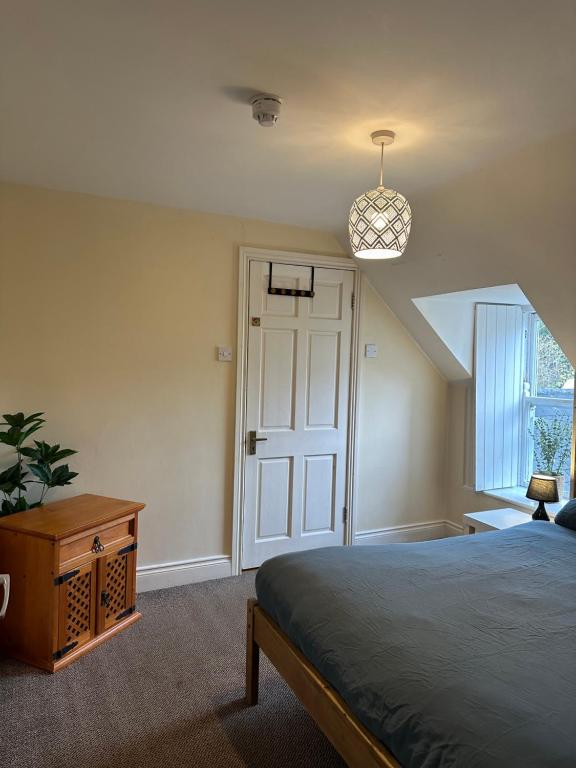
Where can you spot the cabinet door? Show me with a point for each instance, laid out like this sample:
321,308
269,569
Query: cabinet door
116,581
76,608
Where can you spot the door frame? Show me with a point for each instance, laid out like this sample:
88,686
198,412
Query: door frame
246,255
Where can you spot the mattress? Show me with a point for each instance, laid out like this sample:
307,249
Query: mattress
456,652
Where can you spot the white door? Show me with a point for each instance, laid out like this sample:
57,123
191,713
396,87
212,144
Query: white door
298,376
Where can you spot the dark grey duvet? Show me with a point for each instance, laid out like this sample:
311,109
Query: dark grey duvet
457,652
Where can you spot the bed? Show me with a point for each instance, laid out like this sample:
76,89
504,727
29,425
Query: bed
456,652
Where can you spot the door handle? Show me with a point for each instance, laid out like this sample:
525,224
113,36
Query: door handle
5,582
252,440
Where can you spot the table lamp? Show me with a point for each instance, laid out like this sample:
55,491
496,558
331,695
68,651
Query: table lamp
542,488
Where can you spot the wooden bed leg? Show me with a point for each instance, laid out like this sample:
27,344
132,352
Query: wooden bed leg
252,657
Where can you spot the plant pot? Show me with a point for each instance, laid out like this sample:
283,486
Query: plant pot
560,484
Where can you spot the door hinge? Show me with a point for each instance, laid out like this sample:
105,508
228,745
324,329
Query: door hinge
65,577
130,548
63,651
125,613
344,515
353,301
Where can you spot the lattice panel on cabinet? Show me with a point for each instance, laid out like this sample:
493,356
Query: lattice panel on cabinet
116,581
78,598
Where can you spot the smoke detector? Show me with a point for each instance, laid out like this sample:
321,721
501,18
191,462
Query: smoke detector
266,109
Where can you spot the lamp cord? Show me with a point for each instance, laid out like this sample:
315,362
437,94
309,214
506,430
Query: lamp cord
381,165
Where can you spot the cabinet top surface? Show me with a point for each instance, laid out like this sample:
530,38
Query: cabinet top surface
499,518
64,518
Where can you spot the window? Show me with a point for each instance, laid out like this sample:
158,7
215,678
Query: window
547,405
524,396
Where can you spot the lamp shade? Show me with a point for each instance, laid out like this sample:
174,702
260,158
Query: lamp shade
543,488
379,224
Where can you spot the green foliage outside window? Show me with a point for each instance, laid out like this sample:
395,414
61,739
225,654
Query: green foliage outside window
554,369
552,440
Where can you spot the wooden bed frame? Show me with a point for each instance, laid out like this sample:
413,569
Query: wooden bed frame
358,747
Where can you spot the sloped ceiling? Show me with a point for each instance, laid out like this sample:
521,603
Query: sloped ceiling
147,99
510,222
452,318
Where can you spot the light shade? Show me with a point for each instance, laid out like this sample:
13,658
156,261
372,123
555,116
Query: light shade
543,488
379,224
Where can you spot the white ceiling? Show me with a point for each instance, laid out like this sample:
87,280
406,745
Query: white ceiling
146,99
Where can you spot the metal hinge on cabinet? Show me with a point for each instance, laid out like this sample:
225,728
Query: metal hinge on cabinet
125,613
130,548
344,515
353,301
63,651
65,577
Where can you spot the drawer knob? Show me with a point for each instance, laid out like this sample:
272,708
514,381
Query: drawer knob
105,599
97,545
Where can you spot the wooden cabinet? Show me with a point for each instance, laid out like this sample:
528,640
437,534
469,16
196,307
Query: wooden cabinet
73,570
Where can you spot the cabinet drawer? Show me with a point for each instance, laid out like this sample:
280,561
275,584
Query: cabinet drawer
90,544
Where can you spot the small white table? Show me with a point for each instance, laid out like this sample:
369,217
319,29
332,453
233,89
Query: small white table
494,520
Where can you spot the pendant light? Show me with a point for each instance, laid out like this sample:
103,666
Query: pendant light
380,219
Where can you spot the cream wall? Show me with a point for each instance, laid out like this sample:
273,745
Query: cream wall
110,314
402,425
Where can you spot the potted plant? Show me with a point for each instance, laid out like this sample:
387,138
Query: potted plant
552,438
35,465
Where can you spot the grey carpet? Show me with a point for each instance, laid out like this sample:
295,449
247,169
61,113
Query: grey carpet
166,692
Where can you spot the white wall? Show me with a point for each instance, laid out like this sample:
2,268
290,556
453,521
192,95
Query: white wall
453,322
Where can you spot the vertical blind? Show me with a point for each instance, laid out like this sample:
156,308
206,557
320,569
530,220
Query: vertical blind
498,371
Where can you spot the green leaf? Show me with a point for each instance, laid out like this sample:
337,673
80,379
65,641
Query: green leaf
61,476
63,454
34,428
11,479
49,454
34,417
30,453
14,419
41,471
7,508
11,437
19,420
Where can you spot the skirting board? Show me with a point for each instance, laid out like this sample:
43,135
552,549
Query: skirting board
437,529
164,575
177,574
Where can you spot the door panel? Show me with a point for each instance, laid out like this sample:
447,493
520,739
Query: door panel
319,494
277,379
327,301
116,588
77,607
322,379
298,373
273,503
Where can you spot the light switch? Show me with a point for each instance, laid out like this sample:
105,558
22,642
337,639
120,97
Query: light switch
371,350
224,354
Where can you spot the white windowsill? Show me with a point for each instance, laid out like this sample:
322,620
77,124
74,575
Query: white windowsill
517,496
